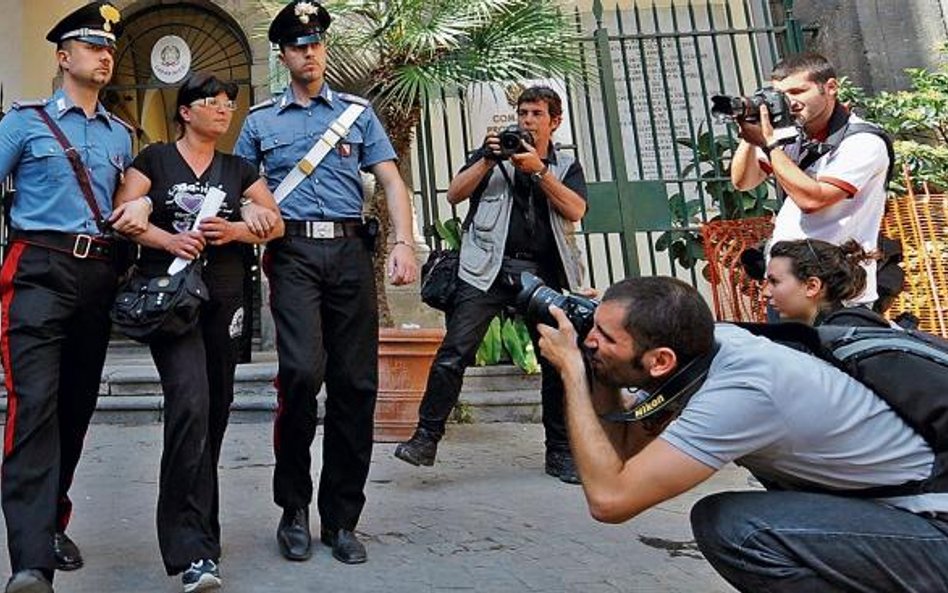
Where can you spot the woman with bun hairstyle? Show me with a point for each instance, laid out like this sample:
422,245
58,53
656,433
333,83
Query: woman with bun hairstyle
809,281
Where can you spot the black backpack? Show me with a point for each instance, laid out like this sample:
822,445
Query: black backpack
906,368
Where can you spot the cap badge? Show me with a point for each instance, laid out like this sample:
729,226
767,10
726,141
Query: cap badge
110,15
304,10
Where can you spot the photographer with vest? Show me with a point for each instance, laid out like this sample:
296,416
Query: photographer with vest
855,500
525,197
833,176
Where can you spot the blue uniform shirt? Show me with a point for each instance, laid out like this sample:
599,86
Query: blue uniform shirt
279,132
48,197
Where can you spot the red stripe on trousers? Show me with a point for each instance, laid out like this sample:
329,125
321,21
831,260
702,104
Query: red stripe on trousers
6,282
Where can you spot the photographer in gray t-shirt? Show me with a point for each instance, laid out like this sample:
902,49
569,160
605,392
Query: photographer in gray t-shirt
805,429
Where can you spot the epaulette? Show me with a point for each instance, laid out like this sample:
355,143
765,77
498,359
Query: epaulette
30,104
269,102
128,126
354,99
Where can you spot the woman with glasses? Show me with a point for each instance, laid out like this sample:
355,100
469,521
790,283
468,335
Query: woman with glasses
810,281
197,369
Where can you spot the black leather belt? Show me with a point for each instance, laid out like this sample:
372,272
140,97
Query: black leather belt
80,246
522,255
316,229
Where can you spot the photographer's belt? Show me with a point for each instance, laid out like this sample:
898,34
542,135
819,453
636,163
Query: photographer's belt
336,131
323,229
80,246
674,393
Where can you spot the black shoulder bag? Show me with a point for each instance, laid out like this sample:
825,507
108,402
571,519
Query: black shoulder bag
149,309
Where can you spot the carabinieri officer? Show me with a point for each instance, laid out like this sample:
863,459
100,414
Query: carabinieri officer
321,281
57,285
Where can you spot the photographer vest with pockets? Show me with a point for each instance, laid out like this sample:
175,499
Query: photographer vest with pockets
908,369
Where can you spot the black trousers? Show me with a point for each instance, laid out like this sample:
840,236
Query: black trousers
326,317
197,379
55,331
467,324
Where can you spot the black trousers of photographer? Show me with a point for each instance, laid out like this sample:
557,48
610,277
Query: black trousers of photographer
467,324
197,379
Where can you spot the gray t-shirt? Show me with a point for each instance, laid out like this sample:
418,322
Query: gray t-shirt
796,421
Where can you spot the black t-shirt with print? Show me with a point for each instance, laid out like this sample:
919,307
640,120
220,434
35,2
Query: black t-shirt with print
177,195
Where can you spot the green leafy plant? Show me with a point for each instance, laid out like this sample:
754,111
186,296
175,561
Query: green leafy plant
711,165
507,338
917,120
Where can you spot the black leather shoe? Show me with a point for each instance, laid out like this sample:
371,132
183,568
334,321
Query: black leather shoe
67,553
293,534
345,547
29,581
420,449
559,464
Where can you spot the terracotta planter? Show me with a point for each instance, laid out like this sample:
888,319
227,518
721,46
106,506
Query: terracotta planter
405,356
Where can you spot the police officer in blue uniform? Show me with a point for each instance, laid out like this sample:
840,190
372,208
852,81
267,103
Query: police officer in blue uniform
56,287
322,285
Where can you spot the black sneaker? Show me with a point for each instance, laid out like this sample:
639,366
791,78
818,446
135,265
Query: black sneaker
559,464
203,575
420,449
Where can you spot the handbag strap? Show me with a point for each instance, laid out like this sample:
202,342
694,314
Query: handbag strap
75,161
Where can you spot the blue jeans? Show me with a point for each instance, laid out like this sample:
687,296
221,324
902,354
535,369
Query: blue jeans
819,543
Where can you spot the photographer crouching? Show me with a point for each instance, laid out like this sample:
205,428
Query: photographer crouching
525,198
836,459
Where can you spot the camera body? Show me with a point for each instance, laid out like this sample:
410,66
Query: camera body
535,298
747,109
510,141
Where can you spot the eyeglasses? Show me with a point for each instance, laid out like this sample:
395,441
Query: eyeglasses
215,103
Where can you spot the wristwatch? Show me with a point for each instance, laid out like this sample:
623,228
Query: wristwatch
538,175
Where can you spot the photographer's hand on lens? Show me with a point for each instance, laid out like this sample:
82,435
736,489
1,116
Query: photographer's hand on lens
766,127
558,345
752,133
491,148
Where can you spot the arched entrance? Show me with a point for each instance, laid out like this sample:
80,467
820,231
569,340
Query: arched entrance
146,79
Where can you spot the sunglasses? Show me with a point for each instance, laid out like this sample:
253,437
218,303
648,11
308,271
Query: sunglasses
215,103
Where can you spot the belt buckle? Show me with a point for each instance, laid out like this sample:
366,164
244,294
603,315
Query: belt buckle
82,246
321,230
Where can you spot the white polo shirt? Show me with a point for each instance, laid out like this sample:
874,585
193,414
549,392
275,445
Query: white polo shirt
858,166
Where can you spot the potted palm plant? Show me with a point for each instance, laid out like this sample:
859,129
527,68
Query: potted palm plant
401,55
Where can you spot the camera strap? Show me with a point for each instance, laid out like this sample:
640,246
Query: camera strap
674,393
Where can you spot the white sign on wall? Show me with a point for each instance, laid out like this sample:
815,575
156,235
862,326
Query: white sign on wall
493,106
170,59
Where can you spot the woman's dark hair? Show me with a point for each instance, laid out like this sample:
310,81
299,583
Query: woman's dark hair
837,266
199,85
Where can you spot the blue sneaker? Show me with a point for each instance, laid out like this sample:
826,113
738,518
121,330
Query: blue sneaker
203,575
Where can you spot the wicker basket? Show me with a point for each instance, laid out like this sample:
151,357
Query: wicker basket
735,296
920,222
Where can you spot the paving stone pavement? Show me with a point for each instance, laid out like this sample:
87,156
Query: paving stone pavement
485,518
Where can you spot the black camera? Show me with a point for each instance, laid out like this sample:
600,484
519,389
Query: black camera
535,298
747,109
510,141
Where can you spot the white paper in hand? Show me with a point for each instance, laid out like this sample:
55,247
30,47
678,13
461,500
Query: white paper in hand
212,203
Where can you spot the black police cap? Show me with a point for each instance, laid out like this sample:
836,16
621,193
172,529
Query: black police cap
96,23
301,22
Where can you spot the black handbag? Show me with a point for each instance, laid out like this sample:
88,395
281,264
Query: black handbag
147,309
439,278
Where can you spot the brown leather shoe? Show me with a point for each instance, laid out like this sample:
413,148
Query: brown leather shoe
68,556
